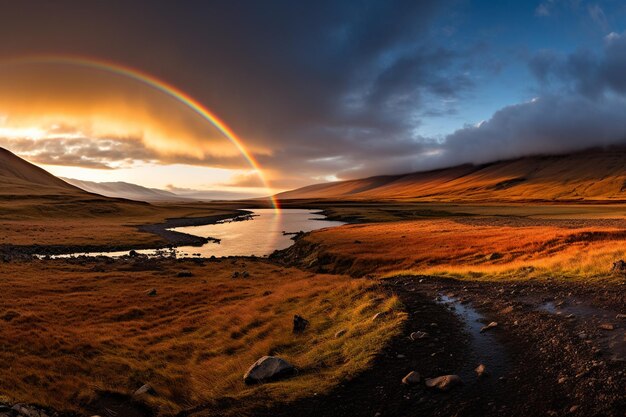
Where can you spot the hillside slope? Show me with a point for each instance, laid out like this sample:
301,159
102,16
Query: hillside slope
28,192
19,177
598,175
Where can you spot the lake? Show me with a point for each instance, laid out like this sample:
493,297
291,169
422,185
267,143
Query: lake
260,236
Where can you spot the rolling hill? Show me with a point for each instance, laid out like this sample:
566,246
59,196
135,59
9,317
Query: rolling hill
19,177
127,190
594,175
27,192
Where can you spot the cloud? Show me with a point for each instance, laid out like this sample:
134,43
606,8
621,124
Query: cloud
548,125
300,82
250,179
542,10
598,16
581,104
81,152
214,194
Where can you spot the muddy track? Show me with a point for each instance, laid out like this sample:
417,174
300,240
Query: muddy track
547,356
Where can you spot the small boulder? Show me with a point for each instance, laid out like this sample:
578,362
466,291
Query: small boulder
412,378
268,368
444,382
184,274
481,370
245,274
152,292
235,275
299,324
607,326
620,316
489,326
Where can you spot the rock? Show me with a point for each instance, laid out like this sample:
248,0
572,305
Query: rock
299,324
152,292
235,275
606,326
494,256
489,326
574,408
184,274
133,254
245,274
481,370
507,310
145,389
379,316
268,368
340,333
412,378
620,316
444,382
619,266
418,335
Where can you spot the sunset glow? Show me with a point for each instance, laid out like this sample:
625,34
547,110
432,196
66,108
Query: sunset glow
157,122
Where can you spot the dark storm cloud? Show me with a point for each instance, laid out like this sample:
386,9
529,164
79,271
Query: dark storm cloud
311,81
581,104
585,72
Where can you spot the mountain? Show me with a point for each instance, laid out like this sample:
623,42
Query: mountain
594,175
125,190
29,192
19,177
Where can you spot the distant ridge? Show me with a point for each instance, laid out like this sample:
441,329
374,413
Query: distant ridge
593,175
127,190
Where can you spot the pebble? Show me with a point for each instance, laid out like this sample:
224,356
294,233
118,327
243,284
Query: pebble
412,378
489,326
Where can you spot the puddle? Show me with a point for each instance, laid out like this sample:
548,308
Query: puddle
577,308
611,341
485,347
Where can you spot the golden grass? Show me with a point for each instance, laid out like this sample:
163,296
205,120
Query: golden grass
70,330
117,226
479,246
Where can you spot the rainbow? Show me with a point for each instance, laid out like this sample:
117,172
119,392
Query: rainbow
165,88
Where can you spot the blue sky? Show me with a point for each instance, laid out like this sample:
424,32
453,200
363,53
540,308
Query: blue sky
505,34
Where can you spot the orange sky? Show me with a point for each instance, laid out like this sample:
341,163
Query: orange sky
81,122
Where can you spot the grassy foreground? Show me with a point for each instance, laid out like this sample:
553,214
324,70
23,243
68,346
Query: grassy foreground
74,329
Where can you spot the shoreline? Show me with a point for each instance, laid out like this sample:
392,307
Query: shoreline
171,239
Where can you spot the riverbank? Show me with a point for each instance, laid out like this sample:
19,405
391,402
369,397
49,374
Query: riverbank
560,362
166,238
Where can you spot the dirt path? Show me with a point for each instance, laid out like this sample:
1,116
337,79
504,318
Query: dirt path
547,356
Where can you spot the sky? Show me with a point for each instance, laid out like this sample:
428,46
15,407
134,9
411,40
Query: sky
316,91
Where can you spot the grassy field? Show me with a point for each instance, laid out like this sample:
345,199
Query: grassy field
73,329
476,245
